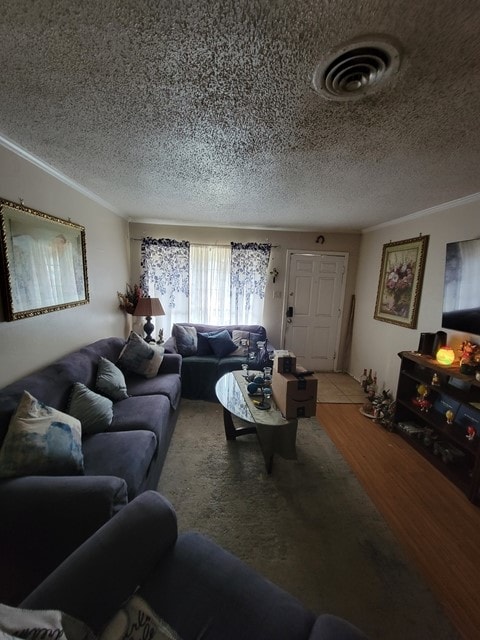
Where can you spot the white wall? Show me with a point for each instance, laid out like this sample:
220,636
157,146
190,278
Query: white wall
28,344
282,241
376,344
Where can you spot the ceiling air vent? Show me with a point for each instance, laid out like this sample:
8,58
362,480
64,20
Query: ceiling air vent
356,69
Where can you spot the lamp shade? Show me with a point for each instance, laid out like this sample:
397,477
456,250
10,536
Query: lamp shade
149,307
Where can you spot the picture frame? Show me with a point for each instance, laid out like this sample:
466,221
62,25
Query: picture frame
400,281
44,262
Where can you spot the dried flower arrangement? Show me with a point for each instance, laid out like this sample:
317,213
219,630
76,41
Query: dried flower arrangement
129,300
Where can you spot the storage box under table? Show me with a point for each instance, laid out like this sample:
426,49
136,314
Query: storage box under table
295,397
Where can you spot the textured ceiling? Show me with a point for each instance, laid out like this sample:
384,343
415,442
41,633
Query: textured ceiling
203,112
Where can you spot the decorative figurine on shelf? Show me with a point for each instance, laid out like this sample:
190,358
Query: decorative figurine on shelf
422,391
421,400
435,380
449,415
160,337
468,357
425,405
471,433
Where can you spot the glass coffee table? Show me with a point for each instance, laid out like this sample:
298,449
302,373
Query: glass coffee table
276,435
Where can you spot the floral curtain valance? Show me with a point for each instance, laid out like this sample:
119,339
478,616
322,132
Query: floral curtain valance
165,268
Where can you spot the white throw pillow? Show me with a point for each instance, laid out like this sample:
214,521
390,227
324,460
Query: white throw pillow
41,441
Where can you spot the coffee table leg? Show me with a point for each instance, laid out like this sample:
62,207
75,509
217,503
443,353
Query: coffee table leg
230,431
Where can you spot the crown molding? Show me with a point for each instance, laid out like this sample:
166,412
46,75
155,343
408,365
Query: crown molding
29,157
474,197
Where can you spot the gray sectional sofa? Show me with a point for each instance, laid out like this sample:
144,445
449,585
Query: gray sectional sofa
206,356
46,515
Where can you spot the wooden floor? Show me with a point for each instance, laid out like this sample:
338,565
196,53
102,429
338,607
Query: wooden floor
436,524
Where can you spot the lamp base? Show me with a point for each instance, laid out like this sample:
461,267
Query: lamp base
149,328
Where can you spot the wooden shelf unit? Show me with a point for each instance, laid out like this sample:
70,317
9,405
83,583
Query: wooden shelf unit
445,445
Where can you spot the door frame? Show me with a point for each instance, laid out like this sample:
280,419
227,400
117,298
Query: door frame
345,256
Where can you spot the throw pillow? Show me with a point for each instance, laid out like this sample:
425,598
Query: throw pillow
41,441
238,338
136,620
139,357
185,339
203,345
45,623
94,411
221,343
110,380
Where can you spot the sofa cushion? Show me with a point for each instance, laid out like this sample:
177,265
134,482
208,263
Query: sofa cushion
221,343
139,357
127,455
94,411
41,441
148,413
166,384
185,339
110,380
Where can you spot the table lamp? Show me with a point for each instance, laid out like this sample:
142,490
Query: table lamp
149,307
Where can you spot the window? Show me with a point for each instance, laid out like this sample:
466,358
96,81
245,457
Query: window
209,298
208,284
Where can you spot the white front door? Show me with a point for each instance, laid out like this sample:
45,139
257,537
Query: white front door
314,304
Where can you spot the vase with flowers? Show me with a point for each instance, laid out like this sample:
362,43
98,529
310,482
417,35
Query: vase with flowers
127,302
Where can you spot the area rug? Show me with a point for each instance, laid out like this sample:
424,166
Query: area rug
308,527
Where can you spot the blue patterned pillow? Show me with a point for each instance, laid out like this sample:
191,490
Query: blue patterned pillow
94,411
41,441
110,380
221,343
185,339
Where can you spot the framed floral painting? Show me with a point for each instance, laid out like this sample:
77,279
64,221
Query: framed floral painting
400,283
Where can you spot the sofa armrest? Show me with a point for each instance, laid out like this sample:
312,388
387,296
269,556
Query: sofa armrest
171,363
103,572
44,518
328,627
170,345
55,503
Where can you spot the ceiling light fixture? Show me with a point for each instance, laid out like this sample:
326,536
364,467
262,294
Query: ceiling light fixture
357,68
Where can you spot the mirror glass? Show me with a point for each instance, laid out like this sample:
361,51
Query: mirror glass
44,262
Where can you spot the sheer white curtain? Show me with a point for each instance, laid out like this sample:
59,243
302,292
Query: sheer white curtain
209,301
248,281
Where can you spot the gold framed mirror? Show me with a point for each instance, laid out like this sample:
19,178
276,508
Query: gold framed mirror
44,262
